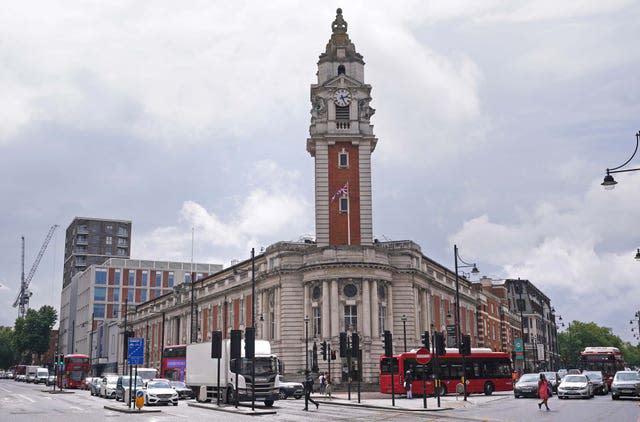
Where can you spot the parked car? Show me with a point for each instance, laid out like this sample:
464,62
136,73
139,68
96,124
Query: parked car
160,392
290,389
625,383
562,372
575,386
51,379
122,386
553,379
599,384
527,386
94,385
183,391
108,386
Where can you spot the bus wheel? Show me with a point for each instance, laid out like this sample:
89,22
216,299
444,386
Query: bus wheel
230,397
488,388
442,390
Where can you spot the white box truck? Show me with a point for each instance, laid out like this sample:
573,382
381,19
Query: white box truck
201,374
31,373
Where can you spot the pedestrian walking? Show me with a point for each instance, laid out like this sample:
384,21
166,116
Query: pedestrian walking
408,380
321,383
329,386
308,388
543,391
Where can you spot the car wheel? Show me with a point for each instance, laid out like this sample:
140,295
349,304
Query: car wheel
297,396
442,390
516,396
614,397
282,395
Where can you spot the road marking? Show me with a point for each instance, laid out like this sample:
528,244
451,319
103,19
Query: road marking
26,398
4,389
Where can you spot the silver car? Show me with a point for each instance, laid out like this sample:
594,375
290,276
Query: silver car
625,383
575,386
108,387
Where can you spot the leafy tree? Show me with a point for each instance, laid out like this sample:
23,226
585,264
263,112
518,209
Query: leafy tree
584,334
33,332
8,354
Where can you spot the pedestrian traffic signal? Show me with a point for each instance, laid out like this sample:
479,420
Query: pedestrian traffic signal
216,344
438,338
355,345
388,344
323,350
465,345
249,342
425,340
343,345
333,355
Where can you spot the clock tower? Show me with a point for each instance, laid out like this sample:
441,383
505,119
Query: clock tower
341,141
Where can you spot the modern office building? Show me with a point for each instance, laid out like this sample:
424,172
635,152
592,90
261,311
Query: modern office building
91,241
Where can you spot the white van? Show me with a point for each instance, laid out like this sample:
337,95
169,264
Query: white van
41,375
30,373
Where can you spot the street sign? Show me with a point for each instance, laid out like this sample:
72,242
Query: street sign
422,356
135,351
518,344
519,356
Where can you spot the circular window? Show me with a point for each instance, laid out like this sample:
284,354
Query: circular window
350,290
381,292
317,292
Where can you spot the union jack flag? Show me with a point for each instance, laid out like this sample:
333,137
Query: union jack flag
343,191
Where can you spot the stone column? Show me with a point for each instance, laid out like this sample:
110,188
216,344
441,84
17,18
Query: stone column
366,309
390,309
375,326
426,311
326,310
277,301
335,309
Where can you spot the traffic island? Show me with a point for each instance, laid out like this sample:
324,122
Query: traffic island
125,409
58,392
240,410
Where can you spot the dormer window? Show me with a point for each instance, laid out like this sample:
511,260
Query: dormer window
341,69
343,159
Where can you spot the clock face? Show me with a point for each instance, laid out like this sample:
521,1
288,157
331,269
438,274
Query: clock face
342,97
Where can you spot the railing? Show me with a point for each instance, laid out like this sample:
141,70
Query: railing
343,124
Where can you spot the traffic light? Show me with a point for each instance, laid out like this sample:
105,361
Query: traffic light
216,344
343,345
465,345
249,342
388,344
236,344
425,340
333,355
440,347
323,350
355,345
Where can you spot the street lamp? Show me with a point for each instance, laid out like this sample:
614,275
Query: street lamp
306,359
636,318
474,270
638,255
404,330
609,182
524,348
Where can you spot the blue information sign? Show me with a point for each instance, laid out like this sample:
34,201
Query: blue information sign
135,351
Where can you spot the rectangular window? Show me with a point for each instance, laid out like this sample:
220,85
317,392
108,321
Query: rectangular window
219,320
344,204
343,160
382,317
187,277
100,294
116,277
158,279
170,283
130,294
108,240
272,319
116,295
317,322
132,278
121,252
351,317
98,310
145,278
230,306
143,295
242,311
123,231
108,228
101,276
158,292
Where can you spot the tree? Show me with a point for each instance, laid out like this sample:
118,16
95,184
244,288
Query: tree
585,334
8,354
33,332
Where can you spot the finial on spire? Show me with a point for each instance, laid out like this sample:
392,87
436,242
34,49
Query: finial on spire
339,26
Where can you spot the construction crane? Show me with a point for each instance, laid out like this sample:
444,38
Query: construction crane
22,301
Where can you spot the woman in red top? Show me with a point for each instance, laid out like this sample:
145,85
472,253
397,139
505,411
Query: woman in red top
543,391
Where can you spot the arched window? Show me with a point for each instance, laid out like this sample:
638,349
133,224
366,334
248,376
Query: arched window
341,70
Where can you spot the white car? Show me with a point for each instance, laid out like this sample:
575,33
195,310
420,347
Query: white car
575,386
108,387
160,391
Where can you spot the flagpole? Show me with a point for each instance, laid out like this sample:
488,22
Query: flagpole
348,216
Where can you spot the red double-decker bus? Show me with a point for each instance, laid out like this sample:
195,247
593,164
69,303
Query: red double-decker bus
608,360
75,369
173,363
486,372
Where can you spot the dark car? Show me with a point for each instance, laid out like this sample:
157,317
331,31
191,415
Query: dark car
290,389
183,391
527,386
625,383
599,384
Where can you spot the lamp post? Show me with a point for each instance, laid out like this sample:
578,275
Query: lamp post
524,348
609,182
306,359
404,330
474,270
638,255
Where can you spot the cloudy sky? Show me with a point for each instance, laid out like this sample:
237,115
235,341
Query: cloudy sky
495,119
